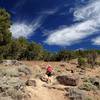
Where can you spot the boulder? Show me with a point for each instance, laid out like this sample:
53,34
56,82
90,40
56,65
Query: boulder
75,94
44,78
68,80
96,81
24,69
10,62
31,82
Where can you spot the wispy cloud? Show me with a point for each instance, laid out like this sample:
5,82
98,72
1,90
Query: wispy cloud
49,11
89,12
24,29
90,21
96,41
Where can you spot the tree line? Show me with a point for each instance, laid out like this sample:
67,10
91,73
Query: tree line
22,49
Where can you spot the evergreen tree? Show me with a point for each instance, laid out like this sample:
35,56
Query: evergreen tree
35,50
5,34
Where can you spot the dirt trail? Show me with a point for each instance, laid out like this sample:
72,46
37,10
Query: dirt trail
44,93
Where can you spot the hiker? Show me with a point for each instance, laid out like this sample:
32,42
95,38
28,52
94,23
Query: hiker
49,71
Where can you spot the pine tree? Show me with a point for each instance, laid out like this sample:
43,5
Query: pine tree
5,34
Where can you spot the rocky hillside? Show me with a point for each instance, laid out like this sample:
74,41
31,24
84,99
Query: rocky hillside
27,81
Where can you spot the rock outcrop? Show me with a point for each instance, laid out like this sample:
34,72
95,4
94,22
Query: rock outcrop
68,80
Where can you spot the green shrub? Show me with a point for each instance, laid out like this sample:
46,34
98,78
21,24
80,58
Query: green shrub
14,71
88,98
10,83
94,81
57,69
87,86
81,62
16,94
25,70
5,98
88,80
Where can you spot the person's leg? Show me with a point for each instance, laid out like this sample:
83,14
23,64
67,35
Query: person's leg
49,77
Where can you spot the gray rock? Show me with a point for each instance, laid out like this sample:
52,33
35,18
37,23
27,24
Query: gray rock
96,81
43,78
10,62
31,82
68,80
75,94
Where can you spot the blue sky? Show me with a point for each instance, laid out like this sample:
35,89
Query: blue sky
56,24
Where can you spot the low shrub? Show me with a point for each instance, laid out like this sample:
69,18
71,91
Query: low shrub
87,86
88,98
94,81
12,87
81,62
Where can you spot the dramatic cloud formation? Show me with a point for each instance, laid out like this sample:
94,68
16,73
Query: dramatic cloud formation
90,21
96,41
23,29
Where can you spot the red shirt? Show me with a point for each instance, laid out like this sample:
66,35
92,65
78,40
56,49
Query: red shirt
49,69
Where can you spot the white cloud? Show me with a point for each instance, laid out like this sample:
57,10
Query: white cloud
91,11
96,41
49,11
80,49
90,17
23,29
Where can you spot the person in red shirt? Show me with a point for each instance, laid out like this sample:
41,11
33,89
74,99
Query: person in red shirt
49,71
